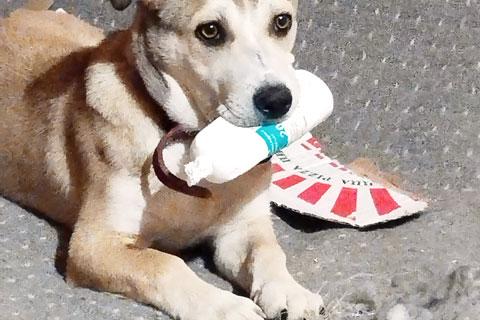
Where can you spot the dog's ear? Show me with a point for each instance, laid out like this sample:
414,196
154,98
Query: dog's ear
120,4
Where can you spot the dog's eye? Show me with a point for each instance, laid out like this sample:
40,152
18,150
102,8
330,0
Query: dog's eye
212,33
282,24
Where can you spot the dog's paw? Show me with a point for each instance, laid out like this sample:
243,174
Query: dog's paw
223,305
289,301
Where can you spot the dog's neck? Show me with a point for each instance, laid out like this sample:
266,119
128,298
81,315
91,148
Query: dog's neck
162,87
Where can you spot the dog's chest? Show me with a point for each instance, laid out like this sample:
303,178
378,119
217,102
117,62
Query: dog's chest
143,206
138,203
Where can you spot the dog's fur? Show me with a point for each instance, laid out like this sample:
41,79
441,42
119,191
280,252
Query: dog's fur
81,117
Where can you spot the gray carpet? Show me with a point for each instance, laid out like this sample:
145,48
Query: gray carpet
405,75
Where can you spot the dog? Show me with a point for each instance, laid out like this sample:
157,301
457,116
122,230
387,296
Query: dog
83,112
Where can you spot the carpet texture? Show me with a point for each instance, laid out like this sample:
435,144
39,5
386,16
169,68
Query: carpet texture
405,75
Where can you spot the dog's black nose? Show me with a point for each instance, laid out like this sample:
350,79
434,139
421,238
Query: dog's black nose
273,101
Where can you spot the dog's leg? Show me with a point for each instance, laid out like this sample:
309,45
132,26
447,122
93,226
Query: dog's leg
109,261
246,251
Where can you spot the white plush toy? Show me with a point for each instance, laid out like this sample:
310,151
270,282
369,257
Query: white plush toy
222,152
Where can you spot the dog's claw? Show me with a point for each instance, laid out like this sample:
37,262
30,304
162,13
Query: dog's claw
322,312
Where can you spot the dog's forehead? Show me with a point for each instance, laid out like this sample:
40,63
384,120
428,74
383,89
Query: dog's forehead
247,4
255,3
238,3
188,8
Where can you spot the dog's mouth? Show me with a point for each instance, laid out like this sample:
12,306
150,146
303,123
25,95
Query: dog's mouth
270,104
248,121
229,114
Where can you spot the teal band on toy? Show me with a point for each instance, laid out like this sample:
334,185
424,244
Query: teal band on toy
274,136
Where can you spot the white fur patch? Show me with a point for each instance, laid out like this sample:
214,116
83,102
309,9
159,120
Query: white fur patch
108,95
126,204
178,107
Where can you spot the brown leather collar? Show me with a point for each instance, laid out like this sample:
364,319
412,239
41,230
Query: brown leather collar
168,178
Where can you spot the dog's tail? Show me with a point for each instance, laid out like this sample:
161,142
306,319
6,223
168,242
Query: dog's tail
121,4
38,5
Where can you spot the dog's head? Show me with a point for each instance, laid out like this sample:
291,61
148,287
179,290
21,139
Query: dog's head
229,58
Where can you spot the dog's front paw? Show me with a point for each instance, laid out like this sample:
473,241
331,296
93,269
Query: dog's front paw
284,300
223,305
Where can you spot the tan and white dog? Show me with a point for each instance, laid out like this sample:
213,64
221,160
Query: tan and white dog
81,115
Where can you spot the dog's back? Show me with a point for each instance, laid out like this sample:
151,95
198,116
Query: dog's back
33,41
32,45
